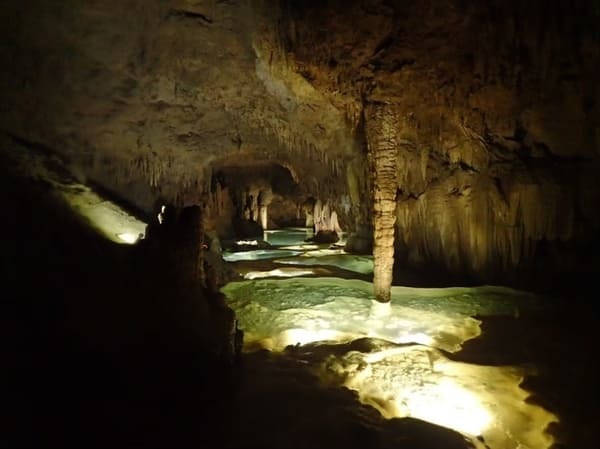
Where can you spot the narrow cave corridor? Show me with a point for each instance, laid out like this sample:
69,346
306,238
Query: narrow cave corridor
242,224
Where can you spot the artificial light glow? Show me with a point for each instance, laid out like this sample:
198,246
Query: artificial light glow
128,237
448,405
396,377
277,272
419,338
301,247
324,252
105,216
300,302
304,336
257,254
336,258
420,382
247,242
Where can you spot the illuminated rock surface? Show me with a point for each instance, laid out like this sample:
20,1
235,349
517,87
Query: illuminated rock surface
399,368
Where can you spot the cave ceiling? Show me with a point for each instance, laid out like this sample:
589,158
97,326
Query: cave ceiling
163,91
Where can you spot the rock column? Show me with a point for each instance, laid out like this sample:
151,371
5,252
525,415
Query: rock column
381,127
264,199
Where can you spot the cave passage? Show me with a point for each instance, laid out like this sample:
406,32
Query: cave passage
344,189
395,357
404,358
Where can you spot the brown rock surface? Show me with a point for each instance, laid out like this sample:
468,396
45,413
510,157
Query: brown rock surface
496,129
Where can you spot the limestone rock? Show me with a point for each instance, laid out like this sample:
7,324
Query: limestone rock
496,123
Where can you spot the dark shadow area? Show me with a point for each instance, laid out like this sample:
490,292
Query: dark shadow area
100,346
559,347
559,270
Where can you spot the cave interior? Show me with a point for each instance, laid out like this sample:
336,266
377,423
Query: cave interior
164,163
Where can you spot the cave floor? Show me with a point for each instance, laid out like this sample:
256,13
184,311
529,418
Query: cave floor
525,378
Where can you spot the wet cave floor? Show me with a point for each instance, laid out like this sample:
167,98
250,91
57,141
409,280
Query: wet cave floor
326,366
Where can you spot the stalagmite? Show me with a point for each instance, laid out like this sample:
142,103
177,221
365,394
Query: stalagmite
317,215
265,197
263,216
381,128
253,208
334,223
324,220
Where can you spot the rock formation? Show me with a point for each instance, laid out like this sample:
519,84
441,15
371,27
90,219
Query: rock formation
381,129
476,92
469,130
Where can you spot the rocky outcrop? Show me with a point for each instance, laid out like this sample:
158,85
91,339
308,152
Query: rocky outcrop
182,252
88,324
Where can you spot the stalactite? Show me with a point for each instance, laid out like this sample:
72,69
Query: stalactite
424,161
482,230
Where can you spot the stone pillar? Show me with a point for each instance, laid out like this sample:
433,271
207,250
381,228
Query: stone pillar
263,216
317,215
265,197
381,127
254,208
309,221
335,224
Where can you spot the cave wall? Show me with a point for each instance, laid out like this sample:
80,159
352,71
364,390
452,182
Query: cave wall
497,122
495,106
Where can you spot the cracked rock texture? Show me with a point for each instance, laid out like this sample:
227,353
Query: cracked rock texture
495,137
